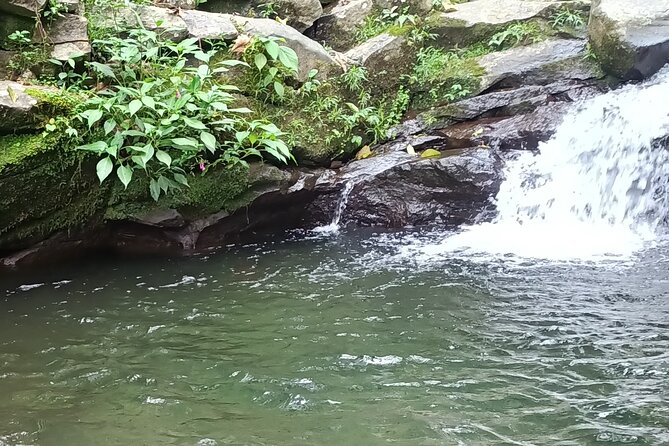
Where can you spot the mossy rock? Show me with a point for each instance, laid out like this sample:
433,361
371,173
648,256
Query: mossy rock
50,187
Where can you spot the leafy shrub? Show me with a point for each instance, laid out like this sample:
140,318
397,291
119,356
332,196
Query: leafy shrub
274,65
568,19
163,117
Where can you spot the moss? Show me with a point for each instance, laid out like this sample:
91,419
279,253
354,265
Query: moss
219,189
52,188
56,102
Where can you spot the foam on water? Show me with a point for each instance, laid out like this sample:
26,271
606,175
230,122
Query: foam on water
596,190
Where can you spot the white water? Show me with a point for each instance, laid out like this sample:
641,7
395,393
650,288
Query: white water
596,190
333,227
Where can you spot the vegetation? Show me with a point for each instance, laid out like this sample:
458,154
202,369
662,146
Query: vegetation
521,33
392,19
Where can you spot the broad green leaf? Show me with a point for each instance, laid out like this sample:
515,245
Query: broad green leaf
260,61
134,106
124,174
103,69
209,141
185,143
194,123
149,102
164,157
97,147
154,189
181,179
278,87
104,168
288,58
163,183
92,116
240,110
272,49
109,126
203,71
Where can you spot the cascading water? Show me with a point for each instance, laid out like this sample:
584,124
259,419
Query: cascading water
597,188
333,227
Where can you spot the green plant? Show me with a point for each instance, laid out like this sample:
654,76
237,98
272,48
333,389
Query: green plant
274,64
53,10
515,34
28,54
268,10
165,118
354,78
568,19
388,18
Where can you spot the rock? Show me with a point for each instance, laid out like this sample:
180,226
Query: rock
395,189
386,58
630,37
153,18
514,101
18,110
340,22
300,14
5,58
311,55
205,25
26,8
9,23
415,6
476,21
161,218
69,36
538,64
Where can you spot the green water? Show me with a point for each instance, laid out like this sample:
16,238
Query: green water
338,341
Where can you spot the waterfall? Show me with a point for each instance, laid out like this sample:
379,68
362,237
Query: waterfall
333,227
597,188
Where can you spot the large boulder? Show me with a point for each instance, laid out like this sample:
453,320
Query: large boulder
537,64
26,8
311,55
630,37
340,22
299,14
205,25
394,189
69,36
386,58
476,21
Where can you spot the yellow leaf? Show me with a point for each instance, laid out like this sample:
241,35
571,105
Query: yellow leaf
12,94
411,150
282,21
363,153
430,153
478,132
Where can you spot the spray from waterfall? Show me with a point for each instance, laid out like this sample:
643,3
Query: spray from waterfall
598,187
333,227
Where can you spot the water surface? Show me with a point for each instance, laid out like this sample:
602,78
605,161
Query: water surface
343,340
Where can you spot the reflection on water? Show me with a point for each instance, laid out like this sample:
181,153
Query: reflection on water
337,342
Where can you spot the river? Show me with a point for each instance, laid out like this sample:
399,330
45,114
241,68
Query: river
338,341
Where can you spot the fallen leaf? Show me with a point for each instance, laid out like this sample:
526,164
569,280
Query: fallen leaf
478,132
12,94
282,21
430,153
363,153
241,43
411,150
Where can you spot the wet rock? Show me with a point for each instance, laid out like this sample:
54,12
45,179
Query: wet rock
18,110
476,21
538,64
513,101
630,37
395,189
311,54
26,8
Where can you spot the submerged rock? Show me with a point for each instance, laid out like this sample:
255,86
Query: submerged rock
630,37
